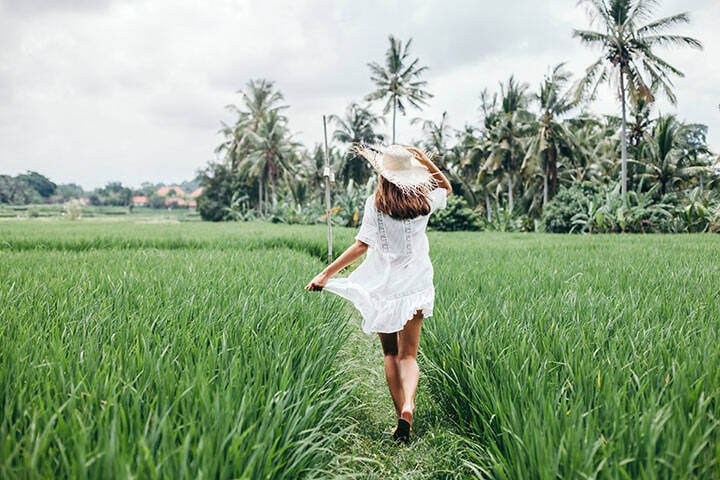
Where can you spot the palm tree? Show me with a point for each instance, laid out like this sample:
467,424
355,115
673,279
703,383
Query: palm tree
271,155
435,136
552,136
667,157
506,128
357,126
398,80
256,144
258,100
627,55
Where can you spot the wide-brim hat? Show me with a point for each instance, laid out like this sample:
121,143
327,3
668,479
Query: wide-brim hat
397,165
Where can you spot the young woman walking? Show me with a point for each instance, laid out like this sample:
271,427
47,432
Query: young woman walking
393,287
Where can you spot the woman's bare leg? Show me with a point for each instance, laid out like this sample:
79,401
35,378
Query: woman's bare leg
401,369
389,342
409,373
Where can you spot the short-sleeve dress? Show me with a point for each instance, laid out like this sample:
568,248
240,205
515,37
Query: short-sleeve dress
396,278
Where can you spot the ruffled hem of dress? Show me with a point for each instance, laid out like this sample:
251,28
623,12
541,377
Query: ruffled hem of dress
403,310
384,315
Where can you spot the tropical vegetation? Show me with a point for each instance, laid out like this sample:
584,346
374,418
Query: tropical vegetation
512,167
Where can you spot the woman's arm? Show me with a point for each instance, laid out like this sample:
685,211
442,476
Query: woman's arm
442,181
354,251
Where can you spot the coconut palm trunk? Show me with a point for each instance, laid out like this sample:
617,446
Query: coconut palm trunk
623,144
511,202
394,110
488,209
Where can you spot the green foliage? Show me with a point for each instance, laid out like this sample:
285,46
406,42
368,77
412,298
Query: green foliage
588,208
163,360
40,183
559,212
579,357
17,191
113,194
455,216
172,350
223,193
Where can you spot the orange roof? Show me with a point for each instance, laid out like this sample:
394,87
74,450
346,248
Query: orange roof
180,202
197,192
139,199
164,191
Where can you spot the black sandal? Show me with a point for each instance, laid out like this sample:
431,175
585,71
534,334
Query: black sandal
402,432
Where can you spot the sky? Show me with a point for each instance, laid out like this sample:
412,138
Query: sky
93,91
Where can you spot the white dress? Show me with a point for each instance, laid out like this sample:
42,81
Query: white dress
396,278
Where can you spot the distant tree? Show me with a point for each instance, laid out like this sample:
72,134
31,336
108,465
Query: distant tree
40,183
627,55
398,80
551,136
436,136
114,194
357,126
17,191
508,127
67,191
155,201
252,146
222,188
667,157
271,154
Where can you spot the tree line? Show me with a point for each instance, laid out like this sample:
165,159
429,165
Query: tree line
35,188
530,142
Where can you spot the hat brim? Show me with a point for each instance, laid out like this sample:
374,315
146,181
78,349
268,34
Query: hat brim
414,178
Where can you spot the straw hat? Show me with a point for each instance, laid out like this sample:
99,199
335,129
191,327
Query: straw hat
398,166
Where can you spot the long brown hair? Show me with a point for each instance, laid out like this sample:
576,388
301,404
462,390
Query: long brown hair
400,205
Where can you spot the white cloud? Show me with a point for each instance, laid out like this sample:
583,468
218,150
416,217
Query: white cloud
97,91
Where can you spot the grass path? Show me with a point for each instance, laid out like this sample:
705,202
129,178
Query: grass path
435,451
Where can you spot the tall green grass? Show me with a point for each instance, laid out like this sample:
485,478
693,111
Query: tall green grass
589,357
191,350
123,360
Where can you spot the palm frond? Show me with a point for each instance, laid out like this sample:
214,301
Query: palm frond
592,38
662,24
671,40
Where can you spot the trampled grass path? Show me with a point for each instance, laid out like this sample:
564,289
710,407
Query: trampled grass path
435,450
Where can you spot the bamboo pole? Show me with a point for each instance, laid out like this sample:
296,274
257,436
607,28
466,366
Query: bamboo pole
328,178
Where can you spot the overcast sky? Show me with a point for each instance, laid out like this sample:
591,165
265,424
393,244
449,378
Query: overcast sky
93,91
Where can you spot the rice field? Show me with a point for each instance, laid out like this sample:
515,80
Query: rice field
190,350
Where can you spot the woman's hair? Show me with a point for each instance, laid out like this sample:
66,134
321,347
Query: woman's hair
400,205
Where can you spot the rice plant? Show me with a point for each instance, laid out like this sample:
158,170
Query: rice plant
590,357
124,360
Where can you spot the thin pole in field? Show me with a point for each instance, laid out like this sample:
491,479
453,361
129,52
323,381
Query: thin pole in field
328,178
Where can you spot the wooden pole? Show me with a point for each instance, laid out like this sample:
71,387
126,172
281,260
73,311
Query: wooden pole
328,178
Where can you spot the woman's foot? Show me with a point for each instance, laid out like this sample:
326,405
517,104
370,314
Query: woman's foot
402,432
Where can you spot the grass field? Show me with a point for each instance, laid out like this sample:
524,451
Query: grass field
190,350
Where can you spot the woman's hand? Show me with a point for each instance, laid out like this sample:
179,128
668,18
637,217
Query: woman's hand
353,252
317,283
419,155
440,179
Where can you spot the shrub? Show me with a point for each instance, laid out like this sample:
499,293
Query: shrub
457,215
570,201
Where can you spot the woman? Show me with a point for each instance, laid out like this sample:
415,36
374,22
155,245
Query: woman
393,287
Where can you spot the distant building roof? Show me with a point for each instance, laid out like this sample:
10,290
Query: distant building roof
139,200
180,202
164,191
197,192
